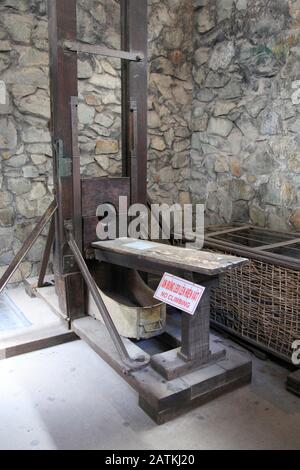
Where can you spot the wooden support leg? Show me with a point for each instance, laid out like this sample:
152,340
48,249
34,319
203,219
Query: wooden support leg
195,332
196,349
69,288
47,252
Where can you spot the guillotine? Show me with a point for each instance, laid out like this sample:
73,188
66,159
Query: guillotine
77,199
192,366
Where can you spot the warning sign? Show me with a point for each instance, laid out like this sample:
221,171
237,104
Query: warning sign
179,293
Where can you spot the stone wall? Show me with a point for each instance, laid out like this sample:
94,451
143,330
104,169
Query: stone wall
170,99
221,75
245,149
26,183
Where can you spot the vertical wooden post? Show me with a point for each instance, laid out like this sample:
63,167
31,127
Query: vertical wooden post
63,85
195,330
47,252
195,333
134,21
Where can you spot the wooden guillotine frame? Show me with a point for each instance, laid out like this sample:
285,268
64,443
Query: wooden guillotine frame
78,199
196,368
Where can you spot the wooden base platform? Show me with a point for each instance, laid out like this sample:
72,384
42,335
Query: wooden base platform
163,400
293,383
166,388
171,366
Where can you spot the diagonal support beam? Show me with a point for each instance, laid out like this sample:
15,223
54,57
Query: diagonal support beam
46,255
92,286
28,244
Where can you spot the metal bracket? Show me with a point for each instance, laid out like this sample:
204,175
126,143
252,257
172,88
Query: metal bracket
65,167
64,164
133,127
68,225
76,46
69,262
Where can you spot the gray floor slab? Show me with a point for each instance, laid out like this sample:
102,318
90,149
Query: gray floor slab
66,397
11,317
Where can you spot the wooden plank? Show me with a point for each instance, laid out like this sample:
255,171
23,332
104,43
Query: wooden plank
260,253
166,256
96,191
225,228
256,240
238,250
36,340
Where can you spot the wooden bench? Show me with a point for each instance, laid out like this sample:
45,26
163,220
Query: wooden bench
201,368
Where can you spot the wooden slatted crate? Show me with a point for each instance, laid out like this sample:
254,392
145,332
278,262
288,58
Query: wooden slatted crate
259,303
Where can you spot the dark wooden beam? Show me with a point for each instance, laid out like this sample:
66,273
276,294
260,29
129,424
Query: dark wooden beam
134,21
63,85
47,252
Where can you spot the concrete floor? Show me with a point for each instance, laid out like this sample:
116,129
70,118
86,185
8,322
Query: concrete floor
43,322
66,397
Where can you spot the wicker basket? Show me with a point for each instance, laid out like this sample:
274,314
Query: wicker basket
260,303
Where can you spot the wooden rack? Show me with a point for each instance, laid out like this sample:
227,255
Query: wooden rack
280,248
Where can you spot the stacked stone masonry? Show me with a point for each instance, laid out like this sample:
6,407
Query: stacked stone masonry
224,103
245,158
26,183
